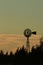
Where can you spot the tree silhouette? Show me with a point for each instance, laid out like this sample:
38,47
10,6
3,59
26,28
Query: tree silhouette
22,57
6,53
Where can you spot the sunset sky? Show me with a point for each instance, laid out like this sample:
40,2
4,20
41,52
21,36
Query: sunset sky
16,16
10,42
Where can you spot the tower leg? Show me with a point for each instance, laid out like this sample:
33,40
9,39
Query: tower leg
27,45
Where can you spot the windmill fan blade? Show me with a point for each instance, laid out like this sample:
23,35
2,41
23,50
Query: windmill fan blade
34,32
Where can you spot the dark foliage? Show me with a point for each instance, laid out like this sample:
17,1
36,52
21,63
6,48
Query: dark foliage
22,57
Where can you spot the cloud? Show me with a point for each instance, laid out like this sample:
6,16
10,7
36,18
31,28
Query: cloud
12,41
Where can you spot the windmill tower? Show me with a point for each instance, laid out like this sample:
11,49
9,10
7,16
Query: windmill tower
27,34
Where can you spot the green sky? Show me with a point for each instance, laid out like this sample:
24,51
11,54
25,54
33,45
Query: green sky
16,15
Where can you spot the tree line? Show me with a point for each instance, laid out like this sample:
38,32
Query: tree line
22,57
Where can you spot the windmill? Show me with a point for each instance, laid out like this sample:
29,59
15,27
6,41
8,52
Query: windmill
27,34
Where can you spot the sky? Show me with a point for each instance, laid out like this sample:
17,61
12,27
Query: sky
10,42
17,15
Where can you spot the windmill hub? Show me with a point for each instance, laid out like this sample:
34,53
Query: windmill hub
27,32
